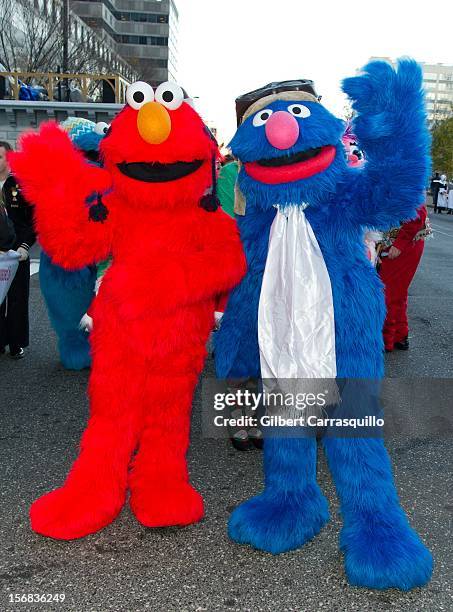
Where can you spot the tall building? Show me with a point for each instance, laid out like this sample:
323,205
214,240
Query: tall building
143,32
438,84
438,81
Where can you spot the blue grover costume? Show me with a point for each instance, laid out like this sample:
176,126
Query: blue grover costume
380,548
68,294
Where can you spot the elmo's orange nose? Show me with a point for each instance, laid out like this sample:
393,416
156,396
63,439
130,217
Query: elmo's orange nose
154,123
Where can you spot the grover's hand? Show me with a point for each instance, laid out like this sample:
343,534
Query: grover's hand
391,128
385,99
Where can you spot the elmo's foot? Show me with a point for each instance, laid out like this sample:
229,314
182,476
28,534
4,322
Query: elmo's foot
68,513
162,507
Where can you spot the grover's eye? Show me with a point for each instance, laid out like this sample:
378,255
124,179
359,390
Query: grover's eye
101,128
138,94
170,95
299,110
261,117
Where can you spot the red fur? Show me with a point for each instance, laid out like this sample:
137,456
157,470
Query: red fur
188,141
56,178
152,316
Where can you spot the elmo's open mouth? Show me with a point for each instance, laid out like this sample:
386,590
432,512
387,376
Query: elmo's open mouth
158,173
289,168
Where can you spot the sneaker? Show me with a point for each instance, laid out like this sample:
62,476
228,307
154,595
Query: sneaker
403,345
17,353
256,437
241,441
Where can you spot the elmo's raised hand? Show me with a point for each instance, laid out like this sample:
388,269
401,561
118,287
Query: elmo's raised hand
47,160
56,178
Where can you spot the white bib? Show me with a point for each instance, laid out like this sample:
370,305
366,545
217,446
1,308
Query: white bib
296,327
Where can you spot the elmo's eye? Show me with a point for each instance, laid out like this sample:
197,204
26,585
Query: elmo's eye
261,117
170,95
299,110
101,128
138,94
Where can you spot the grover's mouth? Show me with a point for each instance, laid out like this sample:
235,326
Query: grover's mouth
157,172
289,168
286,160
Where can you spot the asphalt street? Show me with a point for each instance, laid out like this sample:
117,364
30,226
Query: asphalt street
126,567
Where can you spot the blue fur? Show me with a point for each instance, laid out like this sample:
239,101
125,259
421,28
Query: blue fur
284,516
381,550
68,294
88,141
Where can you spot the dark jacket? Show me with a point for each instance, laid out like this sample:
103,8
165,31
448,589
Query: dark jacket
20,212
7,233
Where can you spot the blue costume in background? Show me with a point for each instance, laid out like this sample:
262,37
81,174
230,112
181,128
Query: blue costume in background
68,294
380,548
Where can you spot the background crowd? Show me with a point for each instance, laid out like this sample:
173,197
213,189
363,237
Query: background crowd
442,193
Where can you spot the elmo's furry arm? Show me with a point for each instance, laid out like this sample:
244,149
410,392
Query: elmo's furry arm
215,268
55,177
392,130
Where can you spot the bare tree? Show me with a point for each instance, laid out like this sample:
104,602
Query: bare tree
149,72
33,42
30,45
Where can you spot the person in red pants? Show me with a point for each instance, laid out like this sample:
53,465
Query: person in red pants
400,256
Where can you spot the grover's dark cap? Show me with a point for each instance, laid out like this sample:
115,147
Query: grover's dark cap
246,100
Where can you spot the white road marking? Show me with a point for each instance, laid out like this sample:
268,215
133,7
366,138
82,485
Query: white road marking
438,230
34,266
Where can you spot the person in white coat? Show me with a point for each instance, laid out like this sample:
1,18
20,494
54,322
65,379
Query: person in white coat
450,198
443,193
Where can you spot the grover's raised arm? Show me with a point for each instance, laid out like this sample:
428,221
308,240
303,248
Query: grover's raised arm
392,130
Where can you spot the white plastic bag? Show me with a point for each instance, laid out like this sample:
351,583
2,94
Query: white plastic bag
9,262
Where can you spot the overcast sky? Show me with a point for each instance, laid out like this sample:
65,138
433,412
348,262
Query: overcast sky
232,46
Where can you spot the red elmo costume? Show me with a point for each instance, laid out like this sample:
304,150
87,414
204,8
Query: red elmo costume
397,275
155,308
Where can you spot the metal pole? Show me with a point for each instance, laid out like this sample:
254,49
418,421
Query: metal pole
59,84
65,19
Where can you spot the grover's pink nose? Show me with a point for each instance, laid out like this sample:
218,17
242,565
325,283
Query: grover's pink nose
282,130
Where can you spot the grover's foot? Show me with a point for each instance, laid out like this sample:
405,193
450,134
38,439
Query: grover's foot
69,513
276,521
159,506
385,552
